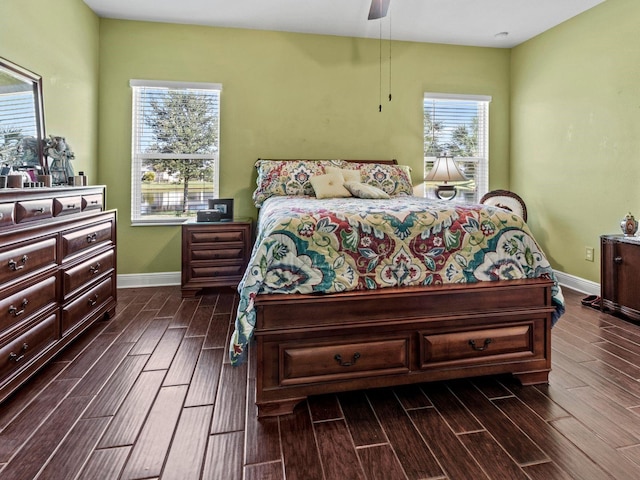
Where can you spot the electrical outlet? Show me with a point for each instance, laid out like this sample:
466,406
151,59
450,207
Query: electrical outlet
588,254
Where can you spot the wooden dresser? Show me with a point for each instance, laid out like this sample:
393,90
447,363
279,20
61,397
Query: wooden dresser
57,273
620,275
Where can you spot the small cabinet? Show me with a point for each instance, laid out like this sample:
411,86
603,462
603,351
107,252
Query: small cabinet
620,275
214,254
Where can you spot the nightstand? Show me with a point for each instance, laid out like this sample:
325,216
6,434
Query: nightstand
620,274
214,254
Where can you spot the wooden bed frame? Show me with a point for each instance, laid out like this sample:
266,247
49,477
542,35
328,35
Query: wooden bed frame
317,344
326,343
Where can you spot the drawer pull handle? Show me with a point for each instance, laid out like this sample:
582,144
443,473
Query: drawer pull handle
93,202
93,300
95,268
338,358
92,237
39,210
13,265
480,349
617,260
14,310
72,205
16,357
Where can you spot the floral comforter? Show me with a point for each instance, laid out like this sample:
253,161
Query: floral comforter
307,245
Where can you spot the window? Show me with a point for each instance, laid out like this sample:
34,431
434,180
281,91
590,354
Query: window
175,150
458,125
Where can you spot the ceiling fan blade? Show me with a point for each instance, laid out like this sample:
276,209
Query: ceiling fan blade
378,9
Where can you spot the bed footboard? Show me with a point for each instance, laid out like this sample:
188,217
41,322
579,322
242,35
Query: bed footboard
318,344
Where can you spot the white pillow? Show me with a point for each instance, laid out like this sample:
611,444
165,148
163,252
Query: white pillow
329,185
347,174
362,190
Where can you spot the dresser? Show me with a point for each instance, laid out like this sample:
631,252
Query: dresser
57,273
620,275
214,254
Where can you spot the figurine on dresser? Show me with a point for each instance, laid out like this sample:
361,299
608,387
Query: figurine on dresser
59,155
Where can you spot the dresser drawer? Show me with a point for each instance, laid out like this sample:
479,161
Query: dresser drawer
66,206
300,363
17,307
16,262
88,304
6,214
217,235
76,241
497,344
32,210
28,346
92,202
85,272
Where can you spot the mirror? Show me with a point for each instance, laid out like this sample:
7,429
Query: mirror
21,118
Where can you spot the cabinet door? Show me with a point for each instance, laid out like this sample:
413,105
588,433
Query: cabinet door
627,274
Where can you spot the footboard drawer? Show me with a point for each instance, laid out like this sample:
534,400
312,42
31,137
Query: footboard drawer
468,346
300,363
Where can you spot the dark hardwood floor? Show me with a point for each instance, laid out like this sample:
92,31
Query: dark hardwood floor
150,394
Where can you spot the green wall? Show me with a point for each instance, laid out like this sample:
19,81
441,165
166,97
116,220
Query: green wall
575,131
59,40
284,96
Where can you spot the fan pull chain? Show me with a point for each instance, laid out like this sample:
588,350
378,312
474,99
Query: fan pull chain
380,66
389,56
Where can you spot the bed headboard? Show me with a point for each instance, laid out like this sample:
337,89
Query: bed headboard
286,177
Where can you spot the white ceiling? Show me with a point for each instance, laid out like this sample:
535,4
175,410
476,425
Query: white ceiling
460,22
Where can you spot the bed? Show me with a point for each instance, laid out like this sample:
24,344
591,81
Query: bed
345,293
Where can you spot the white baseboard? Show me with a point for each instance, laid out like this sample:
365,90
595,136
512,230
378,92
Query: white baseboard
162,279
577,283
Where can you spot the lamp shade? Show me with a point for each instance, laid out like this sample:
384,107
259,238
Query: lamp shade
445,170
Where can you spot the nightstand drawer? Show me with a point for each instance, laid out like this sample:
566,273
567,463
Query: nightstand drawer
208,254
217,236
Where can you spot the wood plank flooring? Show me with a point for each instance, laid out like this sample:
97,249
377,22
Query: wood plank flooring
150,394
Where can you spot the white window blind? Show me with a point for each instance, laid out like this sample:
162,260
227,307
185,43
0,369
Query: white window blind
175,149
458,125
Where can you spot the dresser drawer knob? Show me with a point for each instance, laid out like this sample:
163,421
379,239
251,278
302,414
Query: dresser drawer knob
16,357
92,237
13,265
95,268
93,300
617,260
480,349
338,358
14,310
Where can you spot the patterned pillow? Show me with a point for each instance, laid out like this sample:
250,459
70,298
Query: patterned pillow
362,190
288,177
392,179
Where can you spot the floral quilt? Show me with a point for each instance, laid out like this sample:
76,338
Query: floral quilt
307,245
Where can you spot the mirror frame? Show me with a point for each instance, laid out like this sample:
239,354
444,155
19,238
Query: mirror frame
36,81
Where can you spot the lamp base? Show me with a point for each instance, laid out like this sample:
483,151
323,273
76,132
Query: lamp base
450,192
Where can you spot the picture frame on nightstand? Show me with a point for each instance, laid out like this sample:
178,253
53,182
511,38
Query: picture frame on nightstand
224,206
